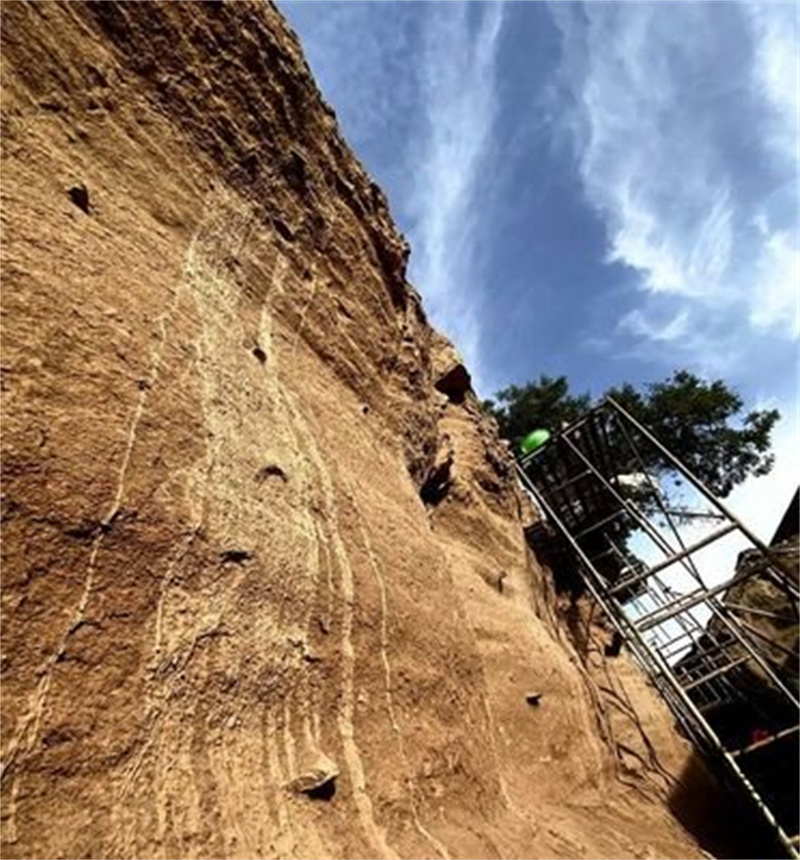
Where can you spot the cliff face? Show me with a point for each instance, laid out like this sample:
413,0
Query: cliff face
256,531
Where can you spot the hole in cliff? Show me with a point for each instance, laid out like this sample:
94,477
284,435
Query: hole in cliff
295,171
326,791
260,354
79,195
237,556
552,550
84,530
455,383
271,470
436,485
283,230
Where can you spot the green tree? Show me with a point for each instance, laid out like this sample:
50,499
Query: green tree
546,403
700,422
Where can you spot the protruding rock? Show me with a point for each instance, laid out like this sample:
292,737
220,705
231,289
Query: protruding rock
451,377
316,778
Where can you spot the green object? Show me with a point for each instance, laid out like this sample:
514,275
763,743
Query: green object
535,439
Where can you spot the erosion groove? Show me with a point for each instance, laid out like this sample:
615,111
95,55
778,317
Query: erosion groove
220,409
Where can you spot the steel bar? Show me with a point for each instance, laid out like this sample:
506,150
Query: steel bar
634,511
691,477
716,648
570,482
675,639
682,604
738,607
784,733
716,673
692,515
601,523
668,562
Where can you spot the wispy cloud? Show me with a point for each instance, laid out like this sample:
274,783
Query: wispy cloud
415,89
458,90
691,160
639,325
774,30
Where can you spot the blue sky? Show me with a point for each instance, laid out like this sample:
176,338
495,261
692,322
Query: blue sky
603,190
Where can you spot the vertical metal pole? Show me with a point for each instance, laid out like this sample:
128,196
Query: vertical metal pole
651,660
715,609
699,485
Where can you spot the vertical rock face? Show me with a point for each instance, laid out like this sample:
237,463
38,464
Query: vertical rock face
265,588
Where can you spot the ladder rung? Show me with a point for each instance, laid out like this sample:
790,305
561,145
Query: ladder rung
676,557
708,707
766,742
680,605
569,482
721,671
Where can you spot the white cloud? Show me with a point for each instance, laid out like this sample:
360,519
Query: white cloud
685,124
637,324
775,71
777,284
761,502
458,89
414,87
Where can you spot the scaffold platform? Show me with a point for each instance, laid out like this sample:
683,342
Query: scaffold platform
714,646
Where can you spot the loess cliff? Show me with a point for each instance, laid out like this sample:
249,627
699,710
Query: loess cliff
265,589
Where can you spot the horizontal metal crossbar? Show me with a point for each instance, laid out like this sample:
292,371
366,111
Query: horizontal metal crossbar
674,559
590,512
716,673
785,733
682,604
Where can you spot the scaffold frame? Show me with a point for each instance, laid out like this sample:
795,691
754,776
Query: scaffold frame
575,480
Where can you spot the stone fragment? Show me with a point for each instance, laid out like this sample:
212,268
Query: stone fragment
319,775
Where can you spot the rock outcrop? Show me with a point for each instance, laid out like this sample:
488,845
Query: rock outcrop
235,622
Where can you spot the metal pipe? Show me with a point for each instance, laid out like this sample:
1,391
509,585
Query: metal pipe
699,485
784,733
720,671
738,607
668,562
600,523
633,510
570,482
701,595
682,604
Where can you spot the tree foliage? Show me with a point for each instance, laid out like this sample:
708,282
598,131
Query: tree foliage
546,403
701,422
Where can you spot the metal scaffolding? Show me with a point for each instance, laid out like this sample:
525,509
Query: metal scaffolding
731,684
